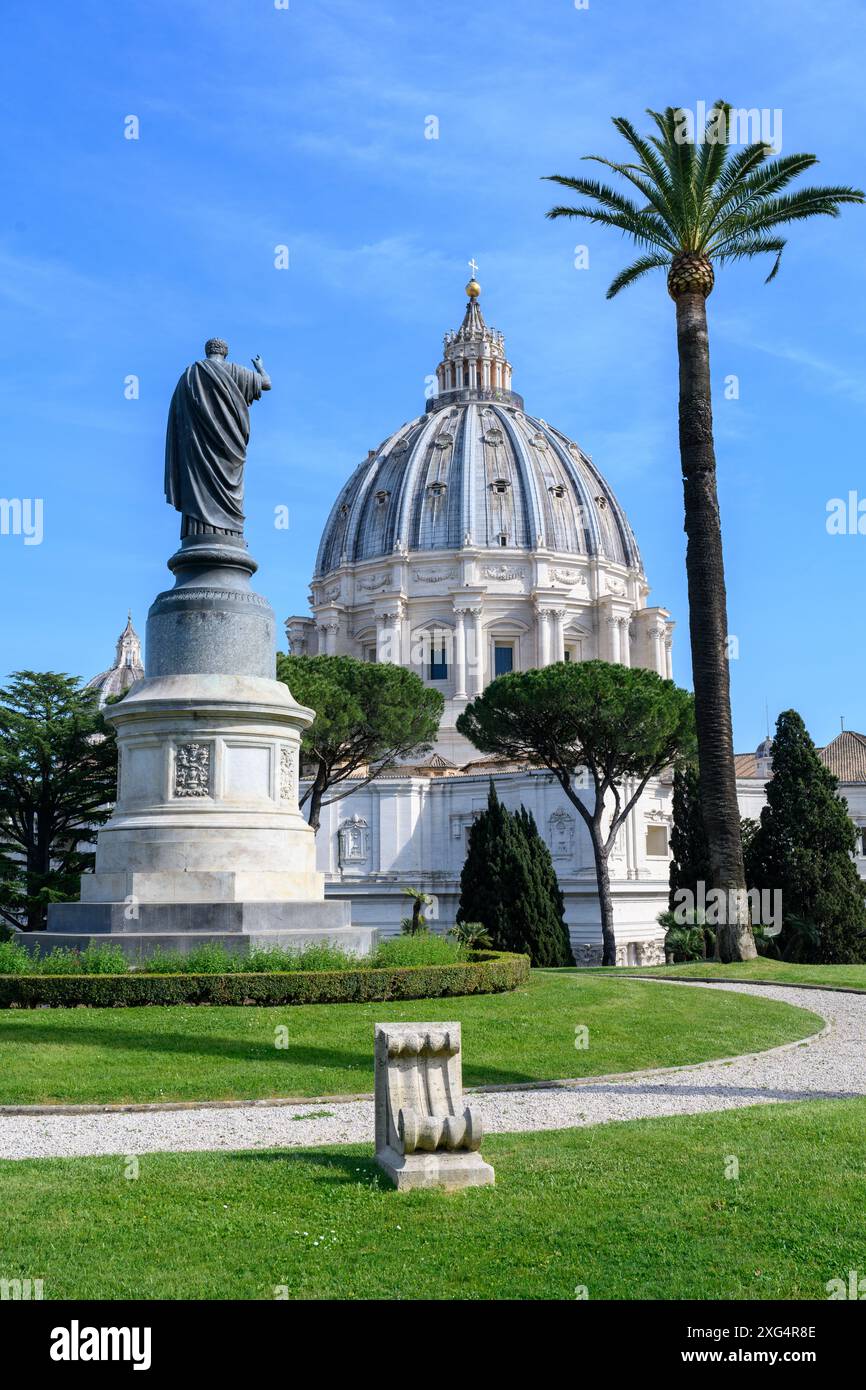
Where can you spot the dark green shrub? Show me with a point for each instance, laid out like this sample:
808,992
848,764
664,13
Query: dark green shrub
509,884
14,959
803,847
485,972
417,949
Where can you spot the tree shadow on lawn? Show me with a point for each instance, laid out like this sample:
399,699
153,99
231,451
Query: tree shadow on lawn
186,1044
338,1167
235,1049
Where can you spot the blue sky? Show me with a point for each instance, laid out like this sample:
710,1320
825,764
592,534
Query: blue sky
306,127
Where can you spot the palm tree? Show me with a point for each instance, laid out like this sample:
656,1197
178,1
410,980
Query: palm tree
699,207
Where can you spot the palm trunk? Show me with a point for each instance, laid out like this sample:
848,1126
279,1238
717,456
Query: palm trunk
708,627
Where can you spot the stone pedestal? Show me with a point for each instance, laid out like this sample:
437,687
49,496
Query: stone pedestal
425,1135
206,842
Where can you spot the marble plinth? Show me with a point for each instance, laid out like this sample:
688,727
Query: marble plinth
206,842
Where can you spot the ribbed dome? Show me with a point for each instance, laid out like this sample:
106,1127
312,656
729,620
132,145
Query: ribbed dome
476,471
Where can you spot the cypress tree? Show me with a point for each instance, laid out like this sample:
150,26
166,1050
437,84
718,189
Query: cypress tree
509,883
804,846
690,850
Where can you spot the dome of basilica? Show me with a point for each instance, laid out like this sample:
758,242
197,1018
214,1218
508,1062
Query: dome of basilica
478,540
476,471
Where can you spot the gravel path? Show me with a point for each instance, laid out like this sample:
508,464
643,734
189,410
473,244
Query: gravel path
832,1066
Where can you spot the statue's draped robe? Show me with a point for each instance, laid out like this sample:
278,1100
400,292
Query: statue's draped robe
206,445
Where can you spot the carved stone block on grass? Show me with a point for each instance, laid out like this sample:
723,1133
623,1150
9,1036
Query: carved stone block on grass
426,1136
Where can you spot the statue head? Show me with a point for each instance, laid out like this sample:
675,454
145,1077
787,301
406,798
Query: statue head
215,347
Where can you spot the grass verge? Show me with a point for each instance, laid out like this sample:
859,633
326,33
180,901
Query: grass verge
221,1053
771,971
640,1210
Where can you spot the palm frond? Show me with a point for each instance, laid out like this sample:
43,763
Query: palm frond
745,247
651,164
737,167
768,179
680,158
640,227
795,207
601,192
635,271
711,159
645,185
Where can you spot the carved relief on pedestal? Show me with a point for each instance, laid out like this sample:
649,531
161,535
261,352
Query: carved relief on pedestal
192,769
288,774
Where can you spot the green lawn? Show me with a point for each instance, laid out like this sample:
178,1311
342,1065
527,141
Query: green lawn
188,1053
851,976
640,1210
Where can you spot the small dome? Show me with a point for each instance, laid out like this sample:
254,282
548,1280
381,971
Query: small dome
127,669
764,748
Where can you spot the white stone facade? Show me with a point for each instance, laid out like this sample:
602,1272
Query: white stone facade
478,539
412,832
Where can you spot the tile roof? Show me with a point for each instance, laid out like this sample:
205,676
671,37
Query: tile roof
846,756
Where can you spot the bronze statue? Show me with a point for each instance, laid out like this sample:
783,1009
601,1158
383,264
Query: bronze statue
206,441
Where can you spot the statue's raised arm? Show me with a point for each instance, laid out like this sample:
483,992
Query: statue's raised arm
206,441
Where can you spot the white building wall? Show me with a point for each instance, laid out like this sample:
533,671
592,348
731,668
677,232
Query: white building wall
416,829
416,832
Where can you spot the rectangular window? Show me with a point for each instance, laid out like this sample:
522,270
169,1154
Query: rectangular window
370,652
438,664
503,660
657,840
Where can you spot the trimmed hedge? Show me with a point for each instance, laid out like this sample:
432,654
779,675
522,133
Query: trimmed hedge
487,972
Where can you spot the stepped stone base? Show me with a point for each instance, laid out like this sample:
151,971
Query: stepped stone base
238,927
205,886
446,1170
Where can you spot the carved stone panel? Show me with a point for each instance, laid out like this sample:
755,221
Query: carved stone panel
560,833
192,769
503,572
353,840
288,774
433,576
